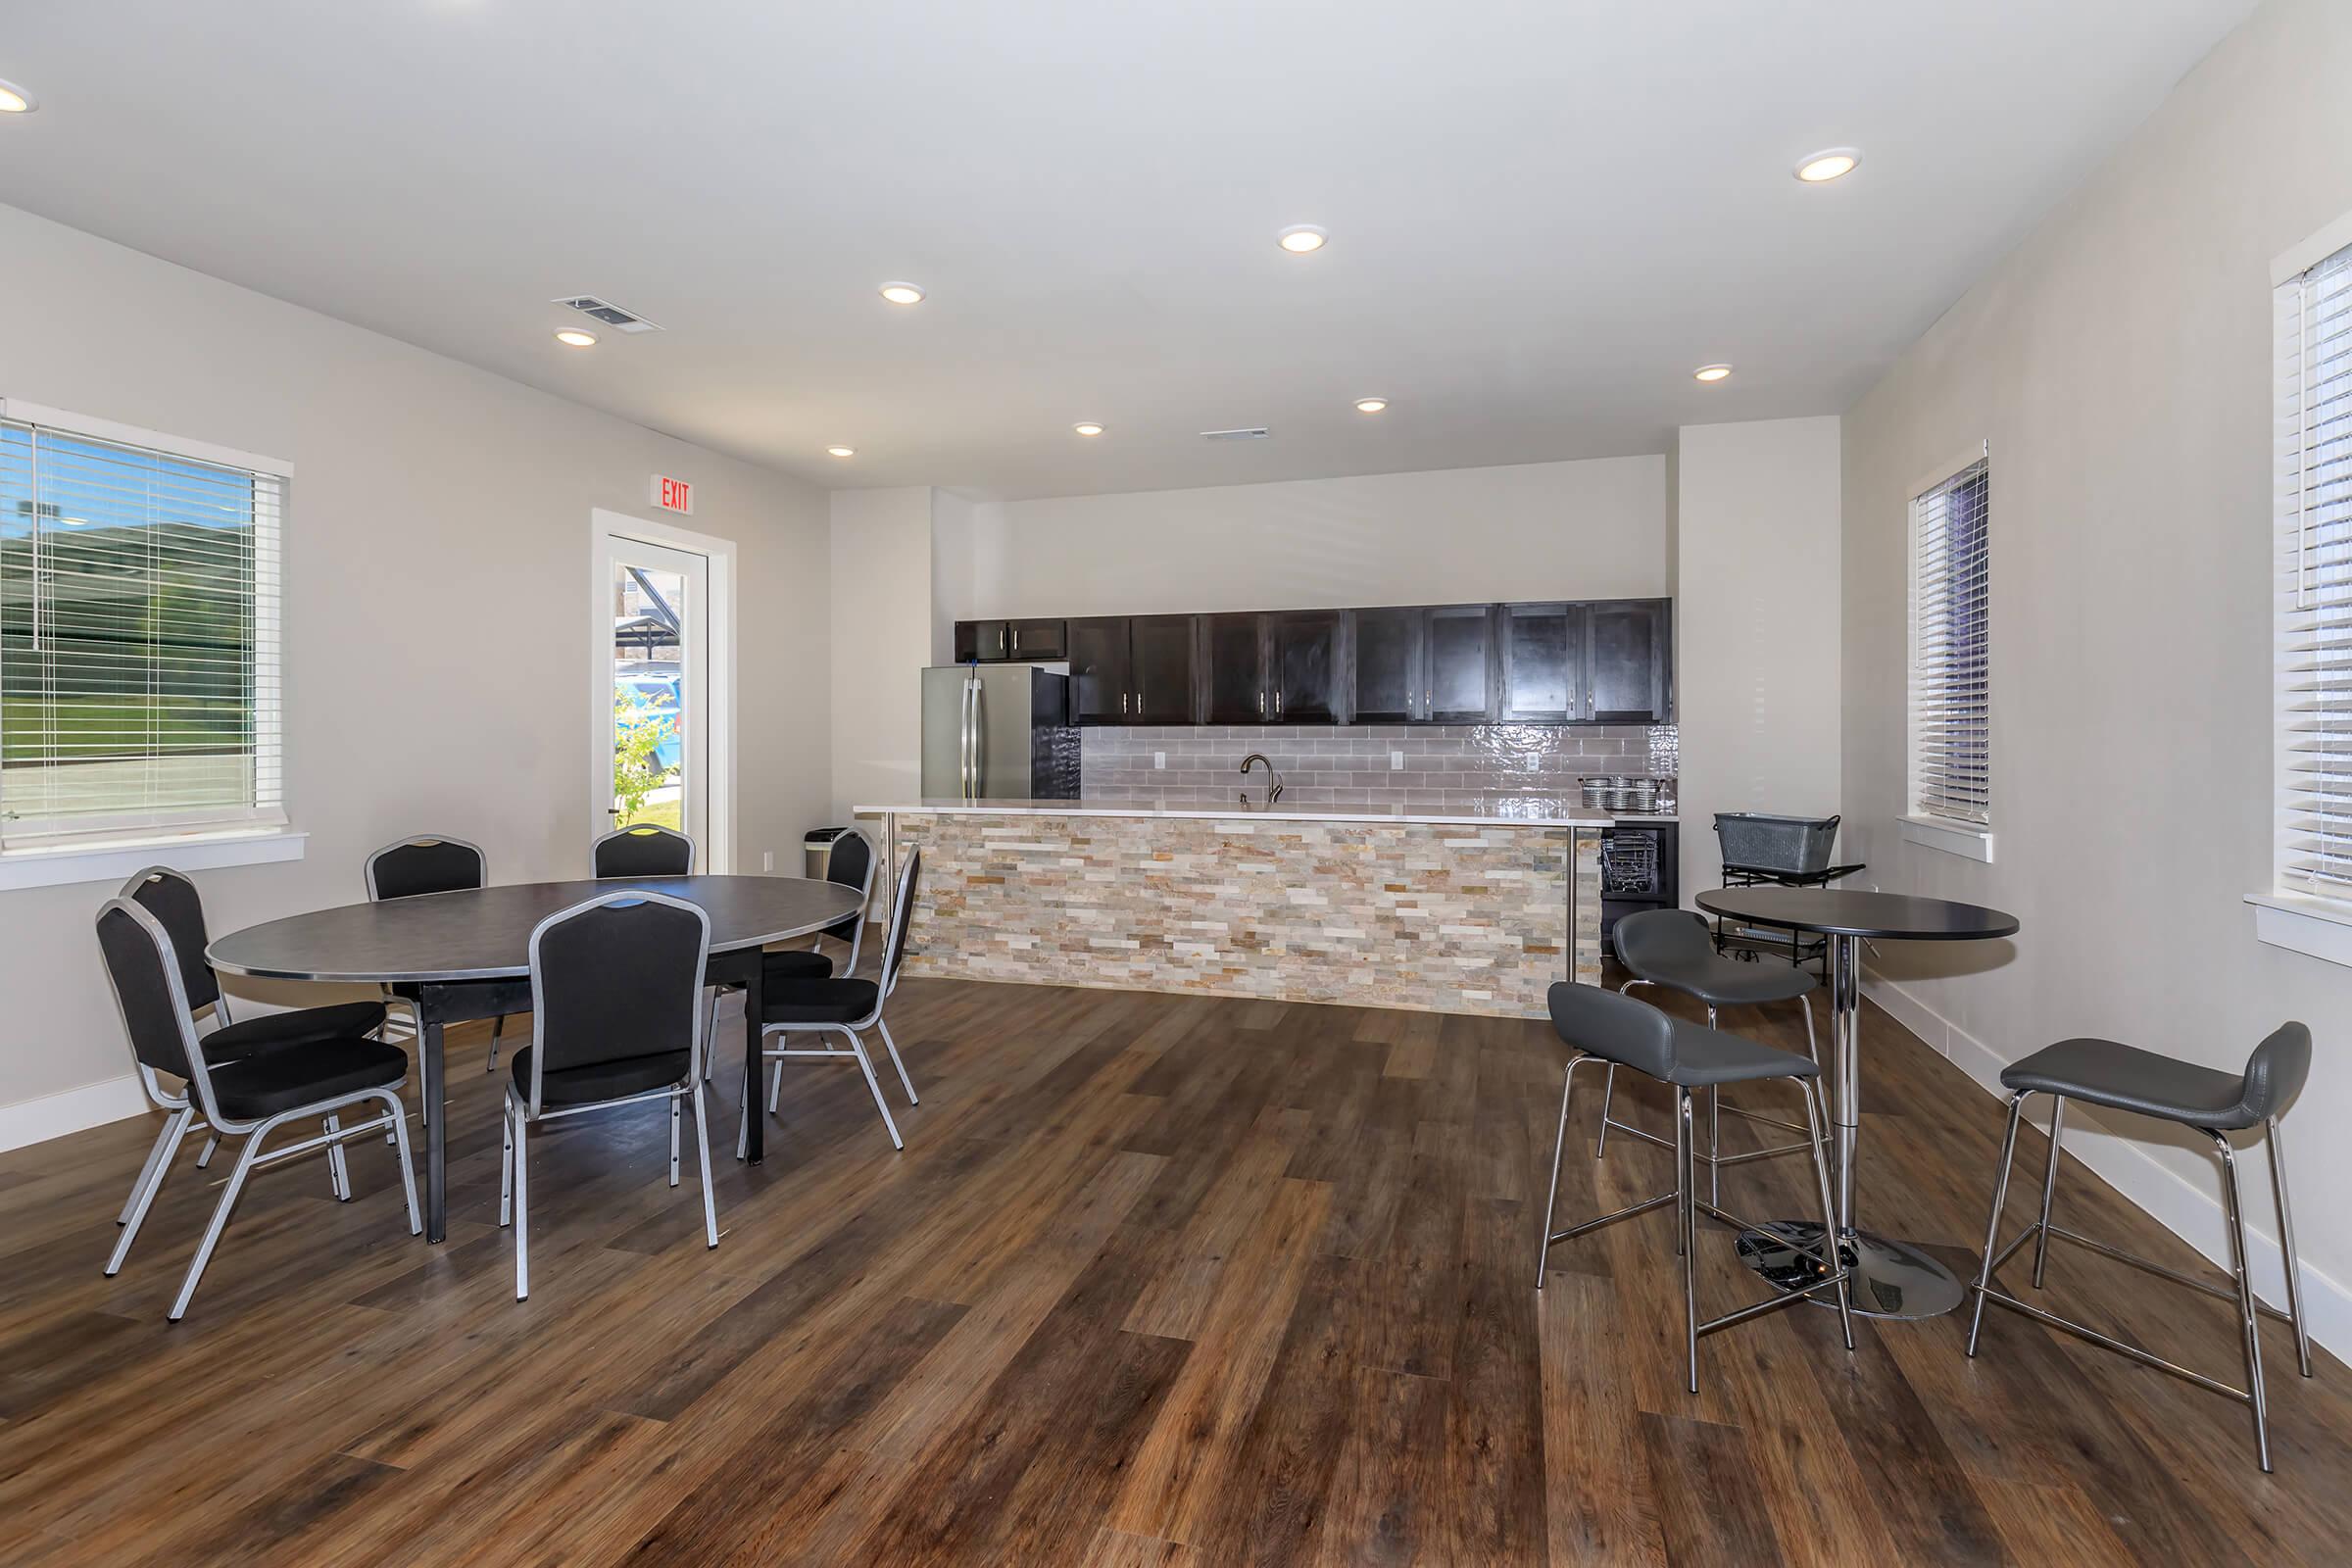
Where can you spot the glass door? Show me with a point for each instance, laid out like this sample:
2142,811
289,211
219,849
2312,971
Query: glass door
660,660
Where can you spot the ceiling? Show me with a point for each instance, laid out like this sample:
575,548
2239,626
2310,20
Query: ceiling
1543,216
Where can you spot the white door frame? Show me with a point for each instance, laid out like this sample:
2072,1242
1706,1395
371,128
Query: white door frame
717,847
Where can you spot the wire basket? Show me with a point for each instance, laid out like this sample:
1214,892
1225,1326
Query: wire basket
1629,863
1794,844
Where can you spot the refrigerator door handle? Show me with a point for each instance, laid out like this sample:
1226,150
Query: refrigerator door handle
964,740
979,722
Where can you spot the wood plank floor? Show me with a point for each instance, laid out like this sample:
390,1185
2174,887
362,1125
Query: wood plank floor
1158,1280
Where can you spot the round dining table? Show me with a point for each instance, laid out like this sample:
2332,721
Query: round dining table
1892,1278
467,955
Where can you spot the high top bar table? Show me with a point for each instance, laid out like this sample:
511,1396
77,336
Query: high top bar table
1890,1278
467,955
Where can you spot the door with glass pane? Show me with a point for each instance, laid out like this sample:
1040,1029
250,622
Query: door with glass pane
658,658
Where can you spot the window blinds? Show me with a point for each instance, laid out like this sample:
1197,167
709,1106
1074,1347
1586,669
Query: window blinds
1951,770
2314,619
139,639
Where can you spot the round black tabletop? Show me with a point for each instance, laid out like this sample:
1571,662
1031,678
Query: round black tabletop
1835,912
485,933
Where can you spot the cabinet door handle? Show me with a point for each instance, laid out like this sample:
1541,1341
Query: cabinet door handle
1122,701
1015,635
1261,704
1277,704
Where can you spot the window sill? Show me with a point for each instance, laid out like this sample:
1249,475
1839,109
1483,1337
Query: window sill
108,862
2318,928
1966,840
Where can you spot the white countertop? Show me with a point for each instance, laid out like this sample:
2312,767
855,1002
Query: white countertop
1501,810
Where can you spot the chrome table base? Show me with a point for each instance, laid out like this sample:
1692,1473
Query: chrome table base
1888,1278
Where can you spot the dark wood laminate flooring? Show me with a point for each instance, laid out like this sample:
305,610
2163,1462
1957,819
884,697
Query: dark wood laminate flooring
1158,1280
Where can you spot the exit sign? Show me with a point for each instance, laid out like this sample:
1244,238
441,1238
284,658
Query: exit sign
673,495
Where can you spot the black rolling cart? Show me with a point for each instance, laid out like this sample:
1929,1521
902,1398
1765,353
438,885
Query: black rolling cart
1761,850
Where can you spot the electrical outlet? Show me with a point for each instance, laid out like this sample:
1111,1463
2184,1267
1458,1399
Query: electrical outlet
1396,762
1160,759
768,860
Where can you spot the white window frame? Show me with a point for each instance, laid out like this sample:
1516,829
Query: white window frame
212,839
2286,914
1964,837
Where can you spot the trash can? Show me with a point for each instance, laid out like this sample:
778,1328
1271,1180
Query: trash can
818,847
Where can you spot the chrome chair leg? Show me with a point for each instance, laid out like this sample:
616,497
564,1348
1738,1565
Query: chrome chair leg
775,1086
498,1026
1714,1140
2240,1267
408,1170
702,1151
204,1155
522,1209
1608,1091
220,1219
150,1183
710,1033
1992,1226
1686,1182
2049,1188
1560,1145
1815,1121
155,1157
873,1086
506,1167
1812,1043
338,1169
675,1111
892,1046
743,1114
2286,1241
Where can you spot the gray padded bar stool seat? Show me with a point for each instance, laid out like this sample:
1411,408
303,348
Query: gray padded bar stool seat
1674,948
2121,1077
1609,1027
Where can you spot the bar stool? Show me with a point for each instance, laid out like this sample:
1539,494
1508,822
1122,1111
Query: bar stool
1609,1027
2102,1072
1675,950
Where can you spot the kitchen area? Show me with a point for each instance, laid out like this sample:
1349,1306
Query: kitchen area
1437,807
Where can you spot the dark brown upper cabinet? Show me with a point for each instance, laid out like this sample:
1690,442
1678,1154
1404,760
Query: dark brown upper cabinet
1462,683
983,641
1628,661
1162,656
1101,690
1542,676
1235,689
996,641
1390,665
1307,650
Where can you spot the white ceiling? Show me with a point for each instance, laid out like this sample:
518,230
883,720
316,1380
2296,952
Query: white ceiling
1542,215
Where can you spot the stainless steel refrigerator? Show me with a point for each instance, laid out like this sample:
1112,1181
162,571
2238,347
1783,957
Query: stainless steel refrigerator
999,732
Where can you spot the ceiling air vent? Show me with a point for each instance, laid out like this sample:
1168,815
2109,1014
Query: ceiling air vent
613,315
1255,433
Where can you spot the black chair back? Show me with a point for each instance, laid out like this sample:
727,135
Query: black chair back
616,985
852,865
171,899
644,850
1618,1028
2276,1072
425,864
144,971
901,918
1654,941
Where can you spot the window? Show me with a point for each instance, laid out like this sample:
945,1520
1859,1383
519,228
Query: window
140,637
2313,623
1951,762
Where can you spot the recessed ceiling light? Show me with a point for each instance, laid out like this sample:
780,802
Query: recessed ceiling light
1299,238
1087,427
15,100
841,452
903,293
573,337
1712,372
1831,163
1370,405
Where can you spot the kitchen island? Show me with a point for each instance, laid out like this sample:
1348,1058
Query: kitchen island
1457,909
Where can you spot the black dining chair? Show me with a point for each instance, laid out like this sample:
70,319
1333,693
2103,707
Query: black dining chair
172,898
843,1006
249,1097
643,848
616,998
850,865
430,862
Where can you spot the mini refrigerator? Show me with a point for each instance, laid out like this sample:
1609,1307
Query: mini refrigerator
999,732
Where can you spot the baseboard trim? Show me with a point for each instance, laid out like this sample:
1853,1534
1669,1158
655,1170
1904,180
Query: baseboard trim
70,1110
2163,1195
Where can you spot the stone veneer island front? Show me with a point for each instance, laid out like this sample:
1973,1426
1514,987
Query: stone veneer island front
1448,910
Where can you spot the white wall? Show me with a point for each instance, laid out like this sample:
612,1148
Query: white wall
436,574
2118,365
1593,530
881,598
1756,618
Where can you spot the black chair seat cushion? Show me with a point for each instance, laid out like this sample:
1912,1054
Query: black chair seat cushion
2105,1072
273,1031
320,1069
803,963
819,1002
602,1080
1704,1056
